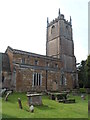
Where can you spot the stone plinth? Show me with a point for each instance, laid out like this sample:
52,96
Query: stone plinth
34,99
58,96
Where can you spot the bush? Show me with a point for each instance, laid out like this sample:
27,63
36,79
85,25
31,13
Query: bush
82,90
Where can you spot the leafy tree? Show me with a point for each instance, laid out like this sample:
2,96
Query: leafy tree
84,73
88,71
82,77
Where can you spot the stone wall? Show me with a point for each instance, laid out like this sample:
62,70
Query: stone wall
69,63
65,29
10,55
24,80
24,72
53,31
41,61
67,46
60,44
5,71
53,82
7,80
23,68
53,48
50,68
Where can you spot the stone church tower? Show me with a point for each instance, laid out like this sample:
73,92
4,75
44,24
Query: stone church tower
60,44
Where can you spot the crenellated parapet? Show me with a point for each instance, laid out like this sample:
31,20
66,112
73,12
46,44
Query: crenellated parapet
60,17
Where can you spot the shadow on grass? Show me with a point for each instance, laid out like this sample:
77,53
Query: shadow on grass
13,100
13,97
7,116
45,107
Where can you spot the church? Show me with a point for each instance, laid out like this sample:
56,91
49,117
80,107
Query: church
23,71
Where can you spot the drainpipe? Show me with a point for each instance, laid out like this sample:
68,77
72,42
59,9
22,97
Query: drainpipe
46,78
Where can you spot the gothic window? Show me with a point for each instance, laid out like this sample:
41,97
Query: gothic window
23,60
36,62
53,29
63,80
37,79
47,64
34,79
67,30
56,65
67,26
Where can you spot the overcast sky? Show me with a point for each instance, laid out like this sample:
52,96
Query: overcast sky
23,24
89,27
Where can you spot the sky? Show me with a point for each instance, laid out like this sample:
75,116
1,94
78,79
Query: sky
89,27
23,24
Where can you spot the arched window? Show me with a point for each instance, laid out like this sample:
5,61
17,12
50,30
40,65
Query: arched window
37,79
63,80
36,62
23,60
53,29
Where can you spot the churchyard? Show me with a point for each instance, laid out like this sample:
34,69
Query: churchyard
49,108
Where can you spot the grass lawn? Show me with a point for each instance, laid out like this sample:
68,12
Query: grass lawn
49,109
89,111
0,108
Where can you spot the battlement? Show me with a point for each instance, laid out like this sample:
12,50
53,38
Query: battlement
60,17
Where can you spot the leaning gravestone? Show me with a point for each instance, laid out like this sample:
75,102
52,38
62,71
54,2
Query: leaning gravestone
20,103
8,93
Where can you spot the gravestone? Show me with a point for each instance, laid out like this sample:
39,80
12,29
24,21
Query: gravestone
83,97
32,108
20,103
8,93
34,99
69,101
58,96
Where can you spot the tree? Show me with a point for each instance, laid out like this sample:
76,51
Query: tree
84,73
82,77
88,71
